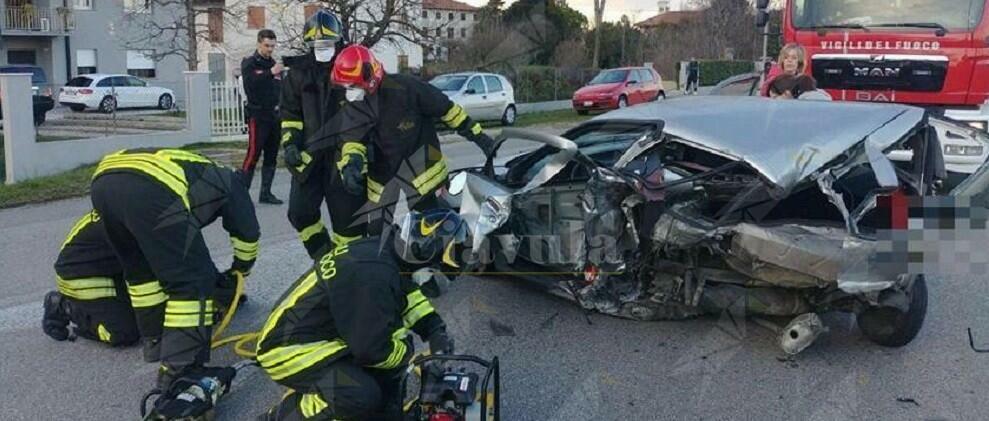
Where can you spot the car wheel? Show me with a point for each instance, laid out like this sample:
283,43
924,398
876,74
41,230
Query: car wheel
661,95
622,101
889,326
582,112
508,117
77,108
108,104
165,102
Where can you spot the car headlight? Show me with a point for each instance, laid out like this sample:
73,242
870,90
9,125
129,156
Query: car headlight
960,150
981,125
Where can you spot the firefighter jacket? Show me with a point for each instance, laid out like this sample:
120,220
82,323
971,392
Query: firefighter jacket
203,189
308,99
260,86
353,302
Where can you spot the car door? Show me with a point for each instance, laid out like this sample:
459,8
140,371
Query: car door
650,88
124,93
143,96
474,98
497,96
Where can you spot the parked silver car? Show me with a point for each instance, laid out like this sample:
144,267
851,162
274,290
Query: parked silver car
485,96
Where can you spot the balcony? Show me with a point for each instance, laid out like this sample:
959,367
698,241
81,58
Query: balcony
36,21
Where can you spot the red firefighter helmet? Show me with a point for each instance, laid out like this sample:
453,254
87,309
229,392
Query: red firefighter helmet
356,66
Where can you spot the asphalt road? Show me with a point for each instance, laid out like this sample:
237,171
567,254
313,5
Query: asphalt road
558,363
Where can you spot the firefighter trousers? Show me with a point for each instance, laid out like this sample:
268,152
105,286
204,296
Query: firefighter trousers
342,390
305,200
109,319
167,266
262,136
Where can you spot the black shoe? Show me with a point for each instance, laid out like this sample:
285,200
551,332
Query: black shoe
269,199
56,320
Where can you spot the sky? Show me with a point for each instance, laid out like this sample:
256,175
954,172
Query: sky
637,10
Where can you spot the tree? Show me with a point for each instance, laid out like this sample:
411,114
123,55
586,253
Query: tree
598,17
544,24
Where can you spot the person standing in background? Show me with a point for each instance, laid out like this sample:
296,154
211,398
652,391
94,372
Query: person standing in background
262,77
693,76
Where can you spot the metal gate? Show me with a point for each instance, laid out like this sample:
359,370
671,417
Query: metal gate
227,108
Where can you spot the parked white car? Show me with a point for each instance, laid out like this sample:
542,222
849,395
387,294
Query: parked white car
485,96
107,93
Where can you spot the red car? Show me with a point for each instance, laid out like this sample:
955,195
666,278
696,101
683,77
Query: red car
619,88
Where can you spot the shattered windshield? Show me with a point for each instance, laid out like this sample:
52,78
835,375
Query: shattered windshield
603,144
950,14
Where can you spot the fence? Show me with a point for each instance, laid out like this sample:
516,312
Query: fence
227,110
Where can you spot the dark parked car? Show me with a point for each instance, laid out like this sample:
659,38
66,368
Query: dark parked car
41,96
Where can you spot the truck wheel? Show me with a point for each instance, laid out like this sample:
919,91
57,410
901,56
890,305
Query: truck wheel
888,326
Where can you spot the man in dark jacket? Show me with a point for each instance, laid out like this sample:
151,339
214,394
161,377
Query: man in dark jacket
308,100
262,76
339,337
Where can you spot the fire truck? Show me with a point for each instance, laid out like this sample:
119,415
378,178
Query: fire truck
930,53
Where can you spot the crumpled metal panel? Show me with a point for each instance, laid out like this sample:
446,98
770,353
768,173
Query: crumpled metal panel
785,141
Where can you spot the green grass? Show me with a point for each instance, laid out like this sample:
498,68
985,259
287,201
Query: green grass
72,183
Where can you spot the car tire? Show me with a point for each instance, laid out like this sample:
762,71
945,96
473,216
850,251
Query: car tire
890,327
622,101
165,102
508,117
582,112
108,104
660,96
77,108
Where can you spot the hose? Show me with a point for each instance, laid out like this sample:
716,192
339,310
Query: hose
241,340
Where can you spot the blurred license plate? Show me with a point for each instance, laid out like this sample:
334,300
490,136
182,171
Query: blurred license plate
588,103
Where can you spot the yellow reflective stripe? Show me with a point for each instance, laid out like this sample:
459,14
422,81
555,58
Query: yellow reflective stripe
434,176
476,129
147,294
281,354
454,111
304,361
352,148
340,239
310,231
417,308
397,352
291,124
308,283
306,159
103,333
245,250
86,288
81,224
176,154
188,313
311,404
286,137
458,120
374,190
157,165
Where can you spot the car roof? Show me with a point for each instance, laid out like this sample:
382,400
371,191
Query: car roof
101,75
784,140
470,74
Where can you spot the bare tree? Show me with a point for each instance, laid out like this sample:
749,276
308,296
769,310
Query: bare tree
598,18
167,28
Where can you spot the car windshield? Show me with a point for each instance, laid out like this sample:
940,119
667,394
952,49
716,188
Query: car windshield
609,76
37,74
79,82
449,83
603,144
951,14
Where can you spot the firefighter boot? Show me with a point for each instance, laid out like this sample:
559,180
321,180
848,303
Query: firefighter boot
56,319
267,177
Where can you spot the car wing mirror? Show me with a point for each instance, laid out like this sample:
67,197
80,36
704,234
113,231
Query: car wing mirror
470,91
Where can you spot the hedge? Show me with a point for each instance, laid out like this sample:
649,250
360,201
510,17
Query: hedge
537,83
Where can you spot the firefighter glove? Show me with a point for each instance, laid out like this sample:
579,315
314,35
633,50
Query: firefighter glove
352,175
293,157
440,342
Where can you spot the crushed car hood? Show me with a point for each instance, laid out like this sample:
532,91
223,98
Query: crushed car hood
785,141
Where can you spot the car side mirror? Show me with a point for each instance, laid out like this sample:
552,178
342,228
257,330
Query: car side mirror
470,91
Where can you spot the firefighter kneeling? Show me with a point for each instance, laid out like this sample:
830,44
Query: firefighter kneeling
339,337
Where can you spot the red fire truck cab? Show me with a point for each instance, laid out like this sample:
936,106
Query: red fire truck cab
931,53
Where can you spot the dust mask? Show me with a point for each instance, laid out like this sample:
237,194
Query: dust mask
324,54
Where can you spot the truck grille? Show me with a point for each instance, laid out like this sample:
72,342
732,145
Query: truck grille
865,72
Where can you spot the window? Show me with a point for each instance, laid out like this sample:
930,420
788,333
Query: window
494,84
105,83
403,62
451,15
79,82
439,32
477,84
647,76
215,24
438,15
463,16
643,76
463,32
82,4
136,6
309,10
22,57
119,81
255,17
449,33
425,14
134,82
85,61
140,63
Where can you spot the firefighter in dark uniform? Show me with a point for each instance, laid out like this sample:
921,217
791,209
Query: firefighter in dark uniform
339,337
91,290
307,101
153,204
262,76
386,136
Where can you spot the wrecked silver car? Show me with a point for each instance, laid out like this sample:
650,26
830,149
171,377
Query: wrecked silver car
702,205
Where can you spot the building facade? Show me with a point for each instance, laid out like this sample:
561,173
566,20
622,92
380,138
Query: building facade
447,21
233,38
67,38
